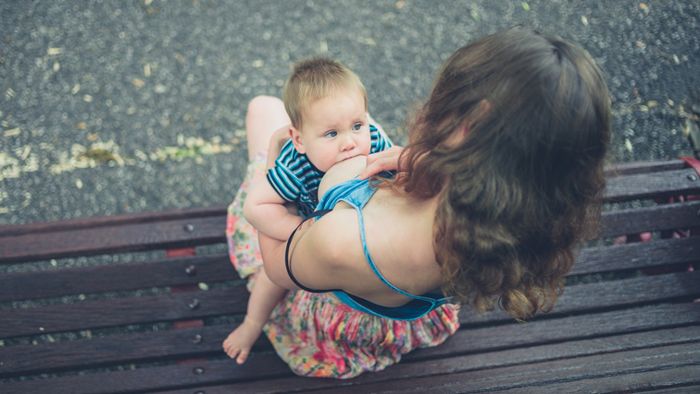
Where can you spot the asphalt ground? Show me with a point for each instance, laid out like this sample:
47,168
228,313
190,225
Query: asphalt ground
110,107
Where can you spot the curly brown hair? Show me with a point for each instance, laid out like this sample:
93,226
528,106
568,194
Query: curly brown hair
520,186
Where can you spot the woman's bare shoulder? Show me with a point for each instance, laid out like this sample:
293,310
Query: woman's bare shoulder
341,172
326,254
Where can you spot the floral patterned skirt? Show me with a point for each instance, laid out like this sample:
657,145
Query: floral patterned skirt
315,333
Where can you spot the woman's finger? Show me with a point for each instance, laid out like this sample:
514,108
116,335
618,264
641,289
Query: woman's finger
387,160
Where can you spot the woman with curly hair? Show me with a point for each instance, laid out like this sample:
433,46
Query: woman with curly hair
500,181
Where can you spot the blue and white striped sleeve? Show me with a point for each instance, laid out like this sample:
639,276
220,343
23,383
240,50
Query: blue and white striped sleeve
282,179
380,141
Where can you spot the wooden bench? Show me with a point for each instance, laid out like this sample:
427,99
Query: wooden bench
626,321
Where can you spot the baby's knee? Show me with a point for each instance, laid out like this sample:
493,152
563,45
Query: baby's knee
263,104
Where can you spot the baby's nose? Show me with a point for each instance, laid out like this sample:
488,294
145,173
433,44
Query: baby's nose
348,143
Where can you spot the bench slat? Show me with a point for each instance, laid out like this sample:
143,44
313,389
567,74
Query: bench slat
268,366
660,217
125,348
411,367
591,297
123,311
645,381
112,239
529,376
115,277
85,237
637,255
657,184
147,309
640,167
111,221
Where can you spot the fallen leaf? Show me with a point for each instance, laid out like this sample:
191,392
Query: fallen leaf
526,6
81,126
584,20
13,132
138,83
54,51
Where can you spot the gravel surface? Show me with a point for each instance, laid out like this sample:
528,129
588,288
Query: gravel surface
110,107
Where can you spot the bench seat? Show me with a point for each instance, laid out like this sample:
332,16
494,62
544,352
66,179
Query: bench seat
142,302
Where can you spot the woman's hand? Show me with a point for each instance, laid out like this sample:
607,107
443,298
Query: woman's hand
387,160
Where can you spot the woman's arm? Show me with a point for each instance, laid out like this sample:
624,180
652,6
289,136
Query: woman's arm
321,253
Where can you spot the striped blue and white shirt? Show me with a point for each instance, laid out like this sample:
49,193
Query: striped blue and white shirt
296,180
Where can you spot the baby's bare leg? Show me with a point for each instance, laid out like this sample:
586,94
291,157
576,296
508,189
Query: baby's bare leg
265,115
263,298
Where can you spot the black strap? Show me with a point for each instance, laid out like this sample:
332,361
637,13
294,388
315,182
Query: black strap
287,261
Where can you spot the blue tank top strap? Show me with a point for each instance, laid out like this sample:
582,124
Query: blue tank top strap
357,193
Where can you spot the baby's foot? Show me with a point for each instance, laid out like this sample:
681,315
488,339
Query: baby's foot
238,343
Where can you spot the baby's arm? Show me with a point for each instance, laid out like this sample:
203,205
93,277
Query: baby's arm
267,212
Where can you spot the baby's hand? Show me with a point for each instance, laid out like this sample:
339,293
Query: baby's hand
387,160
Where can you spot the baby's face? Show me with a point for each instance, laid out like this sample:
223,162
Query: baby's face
335,128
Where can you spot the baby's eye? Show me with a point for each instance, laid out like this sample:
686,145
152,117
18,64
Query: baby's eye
330,134
357,126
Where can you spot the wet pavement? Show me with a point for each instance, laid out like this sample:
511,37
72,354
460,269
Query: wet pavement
111,107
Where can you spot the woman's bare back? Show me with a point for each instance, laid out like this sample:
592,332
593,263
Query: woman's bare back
399,234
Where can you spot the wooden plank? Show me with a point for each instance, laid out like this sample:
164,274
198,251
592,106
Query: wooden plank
150,379
116,349
131,348
531,376
637,255
640,167
168,307
23,286
122,311
591,297
109,221
660,217
112,239
674,380
466,343
658,184
115,277
414,366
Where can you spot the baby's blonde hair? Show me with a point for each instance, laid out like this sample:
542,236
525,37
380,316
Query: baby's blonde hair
313,79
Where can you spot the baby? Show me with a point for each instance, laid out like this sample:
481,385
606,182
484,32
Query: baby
327,106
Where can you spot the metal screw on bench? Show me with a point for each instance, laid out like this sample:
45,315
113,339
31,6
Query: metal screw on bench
197,339
191,270
194,304
692,177
198,371
188,227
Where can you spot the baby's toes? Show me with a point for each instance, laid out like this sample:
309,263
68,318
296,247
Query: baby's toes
243,356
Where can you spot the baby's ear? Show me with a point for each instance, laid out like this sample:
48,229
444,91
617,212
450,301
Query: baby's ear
295,134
